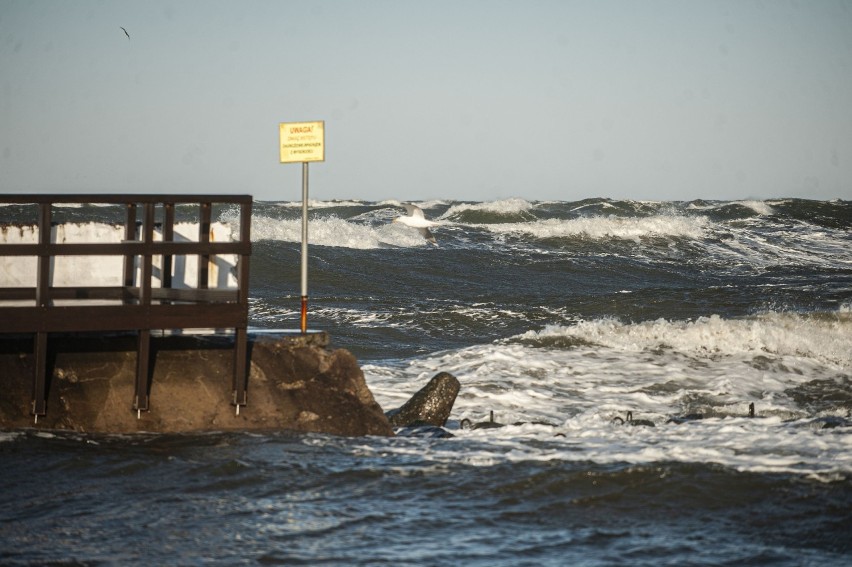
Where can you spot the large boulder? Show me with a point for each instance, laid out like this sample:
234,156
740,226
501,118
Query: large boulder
431,405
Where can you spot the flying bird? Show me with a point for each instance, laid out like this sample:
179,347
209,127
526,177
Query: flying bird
416,219
125,32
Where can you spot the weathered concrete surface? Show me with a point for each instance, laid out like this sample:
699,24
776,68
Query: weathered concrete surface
431,405
295,383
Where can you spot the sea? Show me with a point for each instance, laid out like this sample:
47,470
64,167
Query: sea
723,327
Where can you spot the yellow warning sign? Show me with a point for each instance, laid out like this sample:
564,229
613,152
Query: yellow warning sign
302,141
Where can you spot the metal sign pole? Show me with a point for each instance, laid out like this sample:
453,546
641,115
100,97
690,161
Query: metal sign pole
303,142
304,318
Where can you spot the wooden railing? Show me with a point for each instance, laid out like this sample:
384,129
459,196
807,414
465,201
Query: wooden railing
136,305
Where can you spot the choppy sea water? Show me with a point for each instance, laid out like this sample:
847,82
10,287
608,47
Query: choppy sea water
558,317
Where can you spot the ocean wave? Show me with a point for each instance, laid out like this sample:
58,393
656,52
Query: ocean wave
7,436
422,204
659,369
314,204
515,209
826,339
600,204
759,207
334,231
599,228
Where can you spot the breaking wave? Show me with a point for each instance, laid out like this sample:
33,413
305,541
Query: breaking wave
825,338
599,228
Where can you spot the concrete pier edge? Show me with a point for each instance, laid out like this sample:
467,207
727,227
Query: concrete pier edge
295,383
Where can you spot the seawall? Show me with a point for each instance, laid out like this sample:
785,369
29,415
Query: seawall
295,383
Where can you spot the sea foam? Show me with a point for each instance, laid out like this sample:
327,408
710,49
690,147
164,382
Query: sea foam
825,339
334,231
656,369
505,206
599,228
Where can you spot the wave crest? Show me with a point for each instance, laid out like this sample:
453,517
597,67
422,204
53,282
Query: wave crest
825,338
599,228
334,231
513,210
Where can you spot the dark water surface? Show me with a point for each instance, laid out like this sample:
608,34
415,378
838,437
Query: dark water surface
556,316
287,499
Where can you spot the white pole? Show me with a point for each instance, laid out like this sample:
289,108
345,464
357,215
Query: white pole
304,317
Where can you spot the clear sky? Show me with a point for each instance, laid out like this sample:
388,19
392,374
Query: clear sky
430,99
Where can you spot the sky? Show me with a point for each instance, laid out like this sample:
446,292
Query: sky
440,99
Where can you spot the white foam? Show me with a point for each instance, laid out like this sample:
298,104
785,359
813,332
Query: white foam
334,231
656,369
505,206
825,339
794,246
760,207
602,204
429,204
422,204
599,228
314,204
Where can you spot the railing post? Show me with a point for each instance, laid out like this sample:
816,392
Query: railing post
130,235
44,238
147,255
168,236
204,236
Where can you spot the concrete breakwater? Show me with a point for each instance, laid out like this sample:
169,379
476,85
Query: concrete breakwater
295,383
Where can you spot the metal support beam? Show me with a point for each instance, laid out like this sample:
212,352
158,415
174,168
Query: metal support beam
40,377
240,383
143,358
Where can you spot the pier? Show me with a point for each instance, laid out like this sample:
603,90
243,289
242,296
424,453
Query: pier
145,297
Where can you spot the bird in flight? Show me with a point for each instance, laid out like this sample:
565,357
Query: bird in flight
416,219
125,32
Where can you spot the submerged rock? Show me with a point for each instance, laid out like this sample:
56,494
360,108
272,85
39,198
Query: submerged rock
628,420
490,424
829,422
688,418
429,406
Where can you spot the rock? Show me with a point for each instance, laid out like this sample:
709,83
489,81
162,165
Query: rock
294,384
490,424
829,422
429,406
630,421
688,418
